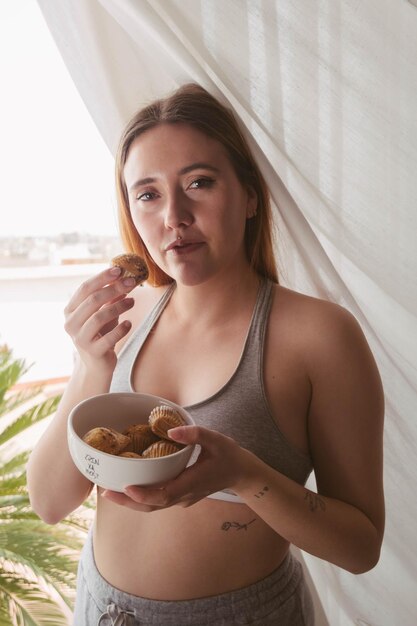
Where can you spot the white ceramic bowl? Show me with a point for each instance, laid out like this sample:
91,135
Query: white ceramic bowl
118,411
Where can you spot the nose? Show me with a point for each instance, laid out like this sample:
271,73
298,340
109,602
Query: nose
178,210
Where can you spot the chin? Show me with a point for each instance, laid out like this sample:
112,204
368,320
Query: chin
190,278
189,282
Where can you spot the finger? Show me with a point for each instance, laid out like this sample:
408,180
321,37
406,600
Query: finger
113,323
123,500
184,490
91,285
102,344
191,435
161,497
107,328
75,318
150,496
192,485
107,315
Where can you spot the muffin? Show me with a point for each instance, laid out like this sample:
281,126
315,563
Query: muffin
132,266
141,436
107,440
164,417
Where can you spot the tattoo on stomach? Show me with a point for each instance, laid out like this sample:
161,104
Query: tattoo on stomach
236,525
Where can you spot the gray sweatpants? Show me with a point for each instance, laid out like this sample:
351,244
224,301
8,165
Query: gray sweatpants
281,599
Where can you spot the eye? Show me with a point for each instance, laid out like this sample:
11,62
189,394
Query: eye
201,183
146,196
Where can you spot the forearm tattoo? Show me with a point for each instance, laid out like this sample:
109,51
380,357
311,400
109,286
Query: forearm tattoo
314,501
236,525
262,492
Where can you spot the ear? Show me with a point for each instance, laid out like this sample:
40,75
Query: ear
252,204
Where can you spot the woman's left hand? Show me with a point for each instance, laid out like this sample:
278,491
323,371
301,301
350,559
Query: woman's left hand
222,463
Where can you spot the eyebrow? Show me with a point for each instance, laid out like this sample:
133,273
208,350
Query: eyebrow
188,168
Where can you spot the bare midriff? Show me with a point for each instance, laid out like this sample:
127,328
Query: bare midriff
180,553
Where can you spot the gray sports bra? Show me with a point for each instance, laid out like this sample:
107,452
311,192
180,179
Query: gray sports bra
240,408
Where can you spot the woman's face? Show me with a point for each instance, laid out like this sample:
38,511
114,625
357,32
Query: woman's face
181,183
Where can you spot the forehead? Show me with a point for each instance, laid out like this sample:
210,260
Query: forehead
169,147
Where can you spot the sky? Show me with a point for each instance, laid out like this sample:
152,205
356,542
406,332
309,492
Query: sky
56,173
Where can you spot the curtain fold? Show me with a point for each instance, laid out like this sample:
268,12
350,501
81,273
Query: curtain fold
326,93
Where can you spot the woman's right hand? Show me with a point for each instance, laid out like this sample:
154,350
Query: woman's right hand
92,317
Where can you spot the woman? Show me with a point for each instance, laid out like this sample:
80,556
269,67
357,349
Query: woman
278,383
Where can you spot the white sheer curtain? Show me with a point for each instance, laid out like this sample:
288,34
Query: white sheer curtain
327,92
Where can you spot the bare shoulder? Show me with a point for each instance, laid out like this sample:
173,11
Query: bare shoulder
145,298
301,305
326,343
316,327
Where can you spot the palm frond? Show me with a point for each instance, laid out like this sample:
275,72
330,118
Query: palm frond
38,562
15,465
50,562
13,478
29,603
12,485
10,372
64,592
13,515
28,418
4,609
6,355
18,398
14,500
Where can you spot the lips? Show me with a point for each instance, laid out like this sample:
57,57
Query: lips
182,245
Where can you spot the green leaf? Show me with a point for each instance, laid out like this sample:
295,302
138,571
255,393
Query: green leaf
14,500
31,416
31,605
10,372
38,562
14,465
18,398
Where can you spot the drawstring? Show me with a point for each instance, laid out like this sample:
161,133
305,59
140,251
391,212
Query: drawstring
117,616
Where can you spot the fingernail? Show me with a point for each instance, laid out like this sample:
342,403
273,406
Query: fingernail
177,431
129,282
115,271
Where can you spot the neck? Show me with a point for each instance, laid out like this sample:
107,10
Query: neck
215,301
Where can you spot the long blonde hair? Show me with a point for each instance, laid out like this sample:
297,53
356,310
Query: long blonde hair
192,104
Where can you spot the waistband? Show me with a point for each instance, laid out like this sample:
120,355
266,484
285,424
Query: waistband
122,607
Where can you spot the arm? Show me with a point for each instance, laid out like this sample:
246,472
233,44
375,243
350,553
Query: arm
344,522
92,321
